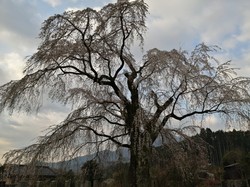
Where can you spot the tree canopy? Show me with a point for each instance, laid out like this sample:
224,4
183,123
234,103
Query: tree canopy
85,60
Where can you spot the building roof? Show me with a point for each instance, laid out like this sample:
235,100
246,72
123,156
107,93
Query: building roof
22,170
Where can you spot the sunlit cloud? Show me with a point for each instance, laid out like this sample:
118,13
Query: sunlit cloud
53,3
11,65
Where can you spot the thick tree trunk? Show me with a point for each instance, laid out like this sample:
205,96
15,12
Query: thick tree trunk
140,159
133,168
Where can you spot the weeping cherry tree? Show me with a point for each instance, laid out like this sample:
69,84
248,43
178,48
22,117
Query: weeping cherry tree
85,60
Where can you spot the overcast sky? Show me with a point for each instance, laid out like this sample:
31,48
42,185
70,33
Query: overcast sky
171,24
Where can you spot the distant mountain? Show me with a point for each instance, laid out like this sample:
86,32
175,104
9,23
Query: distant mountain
106,157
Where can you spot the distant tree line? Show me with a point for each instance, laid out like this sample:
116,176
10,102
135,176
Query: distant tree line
169,168
220,143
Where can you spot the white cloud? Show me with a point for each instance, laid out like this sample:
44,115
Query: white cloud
19,26
16,42
168,24
213,122
11,64
20,130
177,22
231,42
81,8
244,63
245,27
4,142
73,9
53,3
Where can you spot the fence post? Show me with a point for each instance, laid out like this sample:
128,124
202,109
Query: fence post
22,184
39,184
67,183
80,183
53,183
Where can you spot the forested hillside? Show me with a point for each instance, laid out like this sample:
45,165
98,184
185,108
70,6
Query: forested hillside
220,144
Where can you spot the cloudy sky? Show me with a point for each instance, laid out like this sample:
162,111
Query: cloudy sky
171,24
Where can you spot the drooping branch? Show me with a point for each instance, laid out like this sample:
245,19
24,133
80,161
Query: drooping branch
112,138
